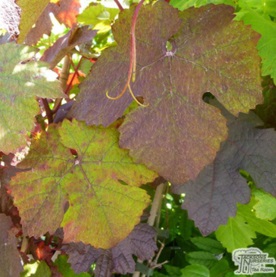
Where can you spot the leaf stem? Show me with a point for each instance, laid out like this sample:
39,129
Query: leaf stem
47,109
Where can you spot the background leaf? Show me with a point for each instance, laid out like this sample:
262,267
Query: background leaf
21,79
140,242
10,262
265,207
235,234
185,4
195,271
30,12
212,197
65,11
267,43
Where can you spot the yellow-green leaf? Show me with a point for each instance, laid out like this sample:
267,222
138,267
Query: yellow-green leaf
99,183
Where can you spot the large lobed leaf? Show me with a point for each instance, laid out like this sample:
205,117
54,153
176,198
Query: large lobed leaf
21,80
140,242
177,134
86,194
212,197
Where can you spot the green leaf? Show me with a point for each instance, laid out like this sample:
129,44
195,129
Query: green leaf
185,4
21,80
177,134
195,270
240,230
36,269
265,8
99,16
208,244
267,43
220,269
203,258
265,208
258,225
102,211
172,270
235,234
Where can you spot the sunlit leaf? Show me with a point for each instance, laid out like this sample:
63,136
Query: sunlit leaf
265,207
65,11
21,80
267,43
30,12
102,210
98,16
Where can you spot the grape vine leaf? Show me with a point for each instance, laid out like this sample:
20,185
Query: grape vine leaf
66,43
140,242
267,43
30,12
21,80
246,224
99,16
101,210
212,197
10,263
65,11
177,134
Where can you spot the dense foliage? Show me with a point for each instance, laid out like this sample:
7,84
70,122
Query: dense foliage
136,138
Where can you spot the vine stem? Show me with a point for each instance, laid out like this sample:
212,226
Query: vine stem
154,211
64,74
132,59
119,5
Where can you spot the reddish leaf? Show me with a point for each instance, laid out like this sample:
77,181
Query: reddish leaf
90,182
30,12
177,134
65,11
119,259
66,43
10,262
40,190
212,197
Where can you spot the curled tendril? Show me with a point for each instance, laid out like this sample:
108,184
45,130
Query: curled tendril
132,63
